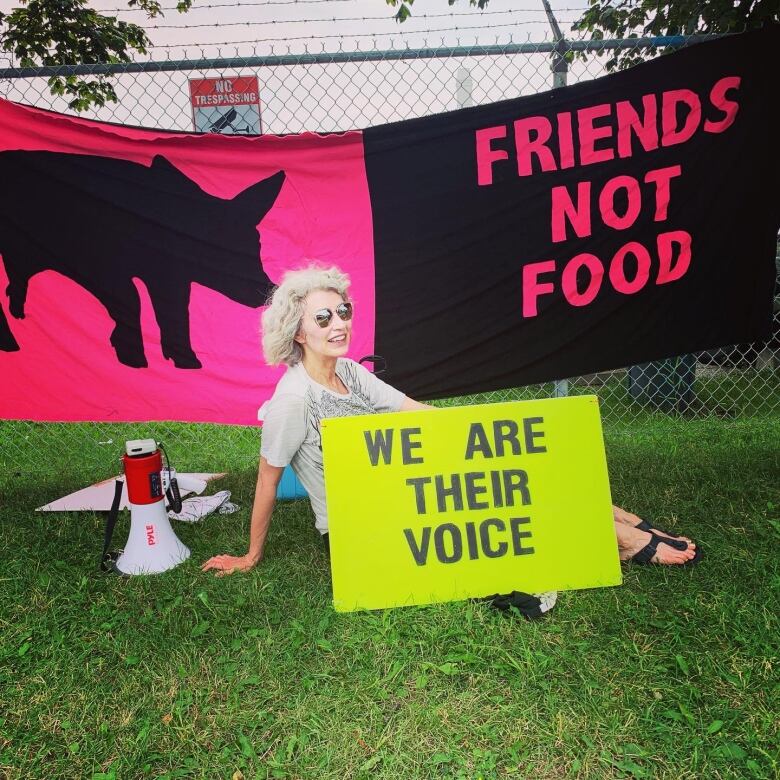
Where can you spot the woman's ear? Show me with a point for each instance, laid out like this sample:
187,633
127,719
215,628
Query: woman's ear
299,337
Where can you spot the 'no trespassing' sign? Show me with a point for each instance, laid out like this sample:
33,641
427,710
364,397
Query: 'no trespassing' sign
229,105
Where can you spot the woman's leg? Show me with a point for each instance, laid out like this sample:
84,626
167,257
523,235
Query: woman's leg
632,520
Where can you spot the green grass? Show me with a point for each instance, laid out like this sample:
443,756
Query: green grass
90,452
672,675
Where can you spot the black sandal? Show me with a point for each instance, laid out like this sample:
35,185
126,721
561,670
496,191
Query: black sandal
645,555
644,525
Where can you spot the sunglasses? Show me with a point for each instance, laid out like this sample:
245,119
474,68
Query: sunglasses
323,316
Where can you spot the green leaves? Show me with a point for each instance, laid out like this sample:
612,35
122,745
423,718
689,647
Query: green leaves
404,11
69,32
628,18
681,662
730,750
447,668
200,628
370,763
246,746
84,92
66,32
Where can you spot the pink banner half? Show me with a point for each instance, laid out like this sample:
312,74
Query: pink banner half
66,368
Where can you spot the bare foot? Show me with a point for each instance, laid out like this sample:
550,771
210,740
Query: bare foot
629,518
632,540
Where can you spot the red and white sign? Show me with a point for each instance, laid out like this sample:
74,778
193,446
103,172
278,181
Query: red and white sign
230,105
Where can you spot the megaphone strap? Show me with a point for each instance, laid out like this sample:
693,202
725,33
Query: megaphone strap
108,559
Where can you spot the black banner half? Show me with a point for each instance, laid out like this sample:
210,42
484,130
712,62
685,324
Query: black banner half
592,227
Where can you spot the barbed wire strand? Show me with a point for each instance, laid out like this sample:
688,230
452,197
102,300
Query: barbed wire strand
335,19
343,36
261,3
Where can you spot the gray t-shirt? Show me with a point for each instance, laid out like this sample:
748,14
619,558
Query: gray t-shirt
291,421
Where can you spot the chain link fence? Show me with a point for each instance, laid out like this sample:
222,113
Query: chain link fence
330,92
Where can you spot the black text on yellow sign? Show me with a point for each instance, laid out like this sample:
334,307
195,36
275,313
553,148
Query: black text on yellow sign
467,501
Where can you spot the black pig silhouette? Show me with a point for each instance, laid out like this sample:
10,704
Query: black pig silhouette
101,222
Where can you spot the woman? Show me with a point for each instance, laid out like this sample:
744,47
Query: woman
307,326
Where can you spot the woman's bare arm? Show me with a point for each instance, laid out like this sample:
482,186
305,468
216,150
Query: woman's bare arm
268,477
410,405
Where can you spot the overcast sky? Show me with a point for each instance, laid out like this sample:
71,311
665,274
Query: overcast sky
328,24
326,97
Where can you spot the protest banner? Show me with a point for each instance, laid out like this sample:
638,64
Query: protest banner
468,501
598,226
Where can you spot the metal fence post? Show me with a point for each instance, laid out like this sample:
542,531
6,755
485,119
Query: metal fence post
560,70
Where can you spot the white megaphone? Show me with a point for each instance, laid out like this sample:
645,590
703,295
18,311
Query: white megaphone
152,546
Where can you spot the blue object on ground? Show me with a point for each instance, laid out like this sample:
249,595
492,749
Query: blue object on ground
290,486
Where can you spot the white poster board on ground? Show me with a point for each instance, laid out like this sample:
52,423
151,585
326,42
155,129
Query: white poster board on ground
98,497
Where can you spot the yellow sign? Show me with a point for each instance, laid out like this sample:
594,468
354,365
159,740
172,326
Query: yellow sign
468,501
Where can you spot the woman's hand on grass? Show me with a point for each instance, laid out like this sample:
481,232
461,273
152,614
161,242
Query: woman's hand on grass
268,477
229,564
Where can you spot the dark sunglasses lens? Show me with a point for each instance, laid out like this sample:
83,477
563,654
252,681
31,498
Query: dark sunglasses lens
344,310
323,317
